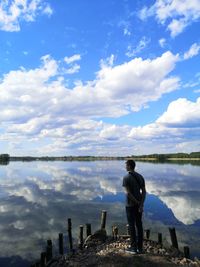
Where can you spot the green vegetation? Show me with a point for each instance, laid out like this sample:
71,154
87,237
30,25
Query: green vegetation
173,157
66,158
165,157
4,159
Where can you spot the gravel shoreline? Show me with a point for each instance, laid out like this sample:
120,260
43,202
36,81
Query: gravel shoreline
111,253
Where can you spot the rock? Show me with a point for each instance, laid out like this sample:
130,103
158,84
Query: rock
193,264
98,237
183,261
161,251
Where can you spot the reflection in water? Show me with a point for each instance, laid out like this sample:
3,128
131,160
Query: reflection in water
36,198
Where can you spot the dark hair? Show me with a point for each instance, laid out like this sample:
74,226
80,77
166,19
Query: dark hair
131,163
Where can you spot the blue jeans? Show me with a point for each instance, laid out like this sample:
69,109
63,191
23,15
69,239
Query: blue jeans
134,218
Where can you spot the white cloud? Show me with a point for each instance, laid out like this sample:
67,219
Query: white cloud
114,132
129,85
38,109
165,133
47,10
108,62
176,14
181,113
162,42
72,59
176,26
125,25
127,31
146,12
74,69
12,13
133,51
115,91
193,51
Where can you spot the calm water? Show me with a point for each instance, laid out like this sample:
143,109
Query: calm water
36,198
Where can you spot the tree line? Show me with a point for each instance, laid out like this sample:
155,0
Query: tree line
5,158
163,157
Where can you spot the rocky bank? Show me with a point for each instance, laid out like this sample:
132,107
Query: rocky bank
111,253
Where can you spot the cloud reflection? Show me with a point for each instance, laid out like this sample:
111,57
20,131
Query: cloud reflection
37,198
178,186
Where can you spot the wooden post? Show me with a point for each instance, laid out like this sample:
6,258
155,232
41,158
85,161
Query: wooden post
88,229
113,235
115,230
103,219
81,237
70,234
60,243
160,238
49,250
186,252
43,258
147,233
173,237
127,229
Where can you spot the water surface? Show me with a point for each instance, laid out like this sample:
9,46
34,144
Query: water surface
36,198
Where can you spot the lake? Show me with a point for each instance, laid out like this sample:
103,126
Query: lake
37,198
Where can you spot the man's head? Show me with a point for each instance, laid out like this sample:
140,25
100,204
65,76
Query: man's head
130,165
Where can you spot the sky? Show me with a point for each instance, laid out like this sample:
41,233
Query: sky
89,77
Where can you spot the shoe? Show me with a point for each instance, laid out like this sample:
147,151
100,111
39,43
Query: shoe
131,250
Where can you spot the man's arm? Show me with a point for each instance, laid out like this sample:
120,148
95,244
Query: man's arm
131,196
142,199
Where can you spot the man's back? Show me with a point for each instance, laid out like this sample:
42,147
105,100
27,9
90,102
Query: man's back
134,182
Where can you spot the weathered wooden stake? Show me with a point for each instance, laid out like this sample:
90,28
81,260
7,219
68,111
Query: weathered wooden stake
81,237
60,243
88,229
113,235
115,232
103,219
127,229
147,233
70,234
160,238
186,252
173,237
49,250
43,258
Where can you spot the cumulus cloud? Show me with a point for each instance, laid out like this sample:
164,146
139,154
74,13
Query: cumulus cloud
38,109
165,133
27,94
181,113
176,14
12,13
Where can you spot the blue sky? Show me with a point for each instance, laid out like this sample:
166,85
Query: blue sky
87,77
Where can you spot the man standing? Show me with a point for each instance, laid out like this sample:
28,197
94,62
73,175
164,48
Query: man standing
134,185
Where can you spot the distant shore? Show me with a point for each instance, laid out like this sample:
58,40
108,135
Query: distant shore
155,158
91,158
